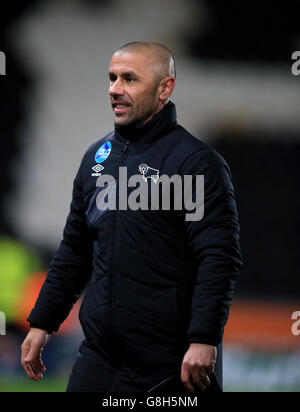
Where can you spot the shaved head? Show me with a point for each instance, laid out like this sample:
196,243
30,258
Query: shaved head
160,57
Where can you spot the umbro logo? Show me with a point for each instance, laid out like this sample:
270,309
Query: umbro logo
97,169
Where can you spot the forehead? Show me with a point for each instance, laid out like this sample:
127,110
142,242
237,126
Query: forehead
137,62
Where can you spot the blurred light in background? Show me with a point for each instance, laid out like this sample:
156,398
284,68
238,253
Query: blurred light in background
17,264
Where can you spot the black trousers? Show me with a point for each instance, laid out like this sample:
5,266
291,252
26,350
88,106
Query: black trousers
97,371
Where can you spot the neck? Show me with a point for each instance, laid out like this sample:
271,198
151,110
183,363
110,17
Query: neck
160,122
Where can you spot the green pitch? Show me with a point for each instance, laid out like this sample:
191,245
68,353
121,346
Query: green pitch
53,384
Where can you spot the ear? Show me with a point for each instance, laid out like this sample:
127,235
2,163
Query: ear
166,88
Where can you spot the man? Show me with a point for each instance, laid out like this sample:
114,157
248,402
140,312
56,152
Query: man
160,285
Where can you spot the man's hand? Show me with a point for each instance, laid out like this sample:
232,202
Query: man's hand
31,357
198,362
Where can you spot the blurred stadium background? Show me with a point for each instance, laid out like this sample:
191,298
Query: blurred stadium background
235,91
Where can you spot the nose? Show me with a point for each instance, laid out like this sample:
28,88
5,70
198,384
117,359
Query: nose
116,88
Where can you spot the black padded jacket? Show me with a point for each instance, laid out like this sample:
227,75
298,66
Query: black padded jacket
154,281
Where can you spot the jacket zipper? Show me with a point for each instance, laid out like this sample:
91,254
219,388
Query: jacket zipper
124,150
111,323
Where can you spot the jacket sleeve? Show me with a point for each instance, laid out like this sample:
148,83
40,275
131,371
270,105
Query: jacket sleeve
69,270
214,240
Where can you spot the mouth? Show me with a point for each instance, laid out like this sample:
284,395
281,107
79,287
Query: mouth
120,108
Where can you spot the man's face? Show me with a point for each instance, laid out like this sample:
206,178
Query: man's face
133,88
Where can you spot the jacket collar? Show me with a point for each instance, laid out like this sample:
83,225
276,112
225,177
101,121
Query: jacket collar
139,133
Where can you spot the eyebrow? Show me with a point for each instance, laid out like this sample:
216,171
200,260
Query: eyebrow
125,74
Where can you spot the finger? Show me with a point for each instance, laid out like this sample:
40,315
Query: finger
27,370
39,363
25,364
211,368
35,375
205,379
203,373
43,367
197,379
188,386
185,378
36,368
31,368
31,360
31,373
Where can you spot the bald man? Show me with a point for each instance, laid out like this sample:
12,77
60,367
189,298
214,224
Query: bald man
150,68
158,280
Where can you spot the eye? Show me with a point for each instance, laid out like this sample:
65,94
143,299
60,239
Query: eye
130,79
112,78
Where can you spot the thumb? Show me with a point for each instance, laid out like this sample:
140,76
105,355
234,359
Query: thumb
33,352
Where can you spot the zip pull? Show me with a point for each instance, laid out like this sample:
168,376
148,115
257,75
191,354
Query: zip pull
126,146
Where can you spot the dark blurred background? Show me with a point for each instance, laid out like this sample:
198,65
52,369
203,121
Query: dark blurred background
235,91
